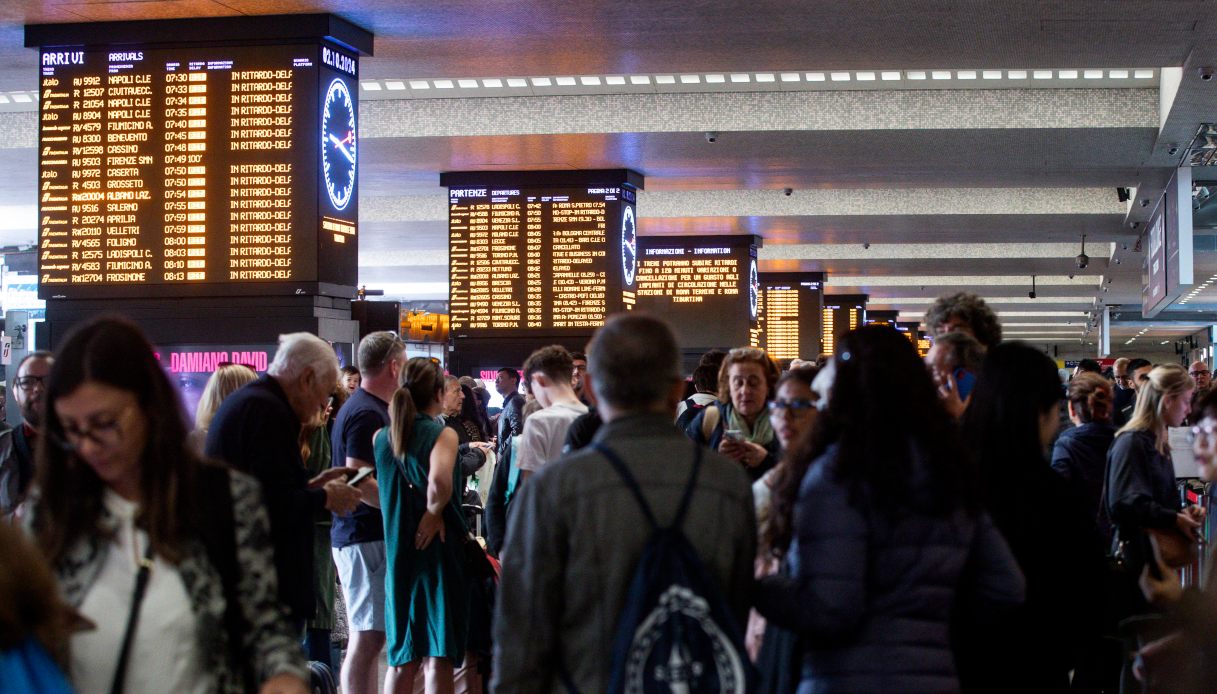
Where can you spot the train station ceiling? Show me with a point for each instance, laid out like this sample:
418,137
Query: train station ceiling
907,148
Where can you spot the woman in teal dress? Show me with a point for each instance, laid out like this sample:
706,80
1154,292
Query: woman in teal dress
426,587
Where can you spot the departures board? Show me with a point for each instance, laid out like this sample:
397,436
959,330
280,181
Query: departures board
539,260
199,171
789,314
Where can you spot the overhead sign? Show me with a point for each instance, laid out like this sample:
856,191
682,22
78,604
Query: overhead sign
1168,271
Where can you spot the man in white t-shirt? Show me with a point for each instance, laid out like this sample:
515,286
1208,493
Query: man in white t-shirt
549,371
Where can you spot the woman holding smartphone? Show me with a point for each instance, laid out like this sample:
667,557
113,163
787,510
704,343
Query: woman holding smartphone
738,426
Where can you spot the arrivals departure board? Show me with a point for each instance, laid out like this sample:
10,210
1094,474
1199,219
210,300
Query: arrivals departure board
706,287
789,314
168,171
842,313
538,260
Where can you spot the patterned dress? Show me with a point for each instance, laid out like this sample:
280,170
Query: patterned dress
427,591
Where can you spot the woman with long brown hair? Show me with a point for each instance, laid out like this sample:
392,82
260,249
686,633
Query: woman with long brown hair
167,557
427,590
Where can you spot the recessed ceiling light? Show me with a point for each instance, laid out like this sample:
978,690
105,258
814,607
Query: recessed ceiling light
740,77
444,84
395,85
368,85
716,79
640,79
1092,74
941,74
889,75
690,79
1118,74
517,82
615,80
467,84
565,81
420,84
840,77
1017,74
589,81
790,77
966,74
815,76
541,82
1067,74
991,74
764,77
866,76
1042,74
665,79
493,83
916,74
1143,74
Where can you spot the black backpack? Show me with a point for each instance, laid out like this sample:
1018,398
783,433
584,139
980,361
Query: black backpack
675,632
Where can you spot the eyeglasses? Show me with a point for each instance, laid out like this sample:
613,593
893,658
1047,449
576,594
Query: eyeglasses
1201,433
1193,374
105,433
28,382
793,405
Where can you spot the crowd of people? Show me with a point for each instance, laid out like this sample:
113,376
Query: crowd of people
870,521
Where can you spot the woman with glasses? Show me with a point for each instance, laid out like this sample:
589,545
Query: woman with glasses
165,557
738,426
878,517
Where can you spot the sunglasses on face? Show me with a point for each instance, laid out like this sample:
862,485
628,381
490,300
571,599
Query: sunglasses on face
796,405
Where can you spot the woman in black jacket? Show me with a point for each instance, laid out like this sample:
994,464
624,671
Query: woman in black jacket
1011,419
1080,454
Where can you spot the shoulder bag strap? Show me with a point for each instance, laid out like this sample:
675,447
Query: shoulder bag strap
124,653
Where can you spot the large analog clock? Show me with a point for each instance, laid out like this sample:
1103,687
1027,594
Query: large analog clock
754,289
629,246
338,143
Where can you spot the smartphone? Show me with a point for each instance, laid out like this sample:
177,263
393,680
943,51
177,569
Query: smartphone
363,474
328,404
733,434
964,382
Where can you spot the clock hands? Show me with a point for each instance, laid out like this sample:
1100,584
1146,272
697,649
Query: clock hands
341,145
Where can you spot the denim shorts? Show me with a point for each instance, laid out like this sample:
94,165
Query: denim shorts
361,569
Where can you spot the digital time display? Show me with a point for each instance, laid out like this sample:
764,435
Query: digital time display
706,287
538,259
197,171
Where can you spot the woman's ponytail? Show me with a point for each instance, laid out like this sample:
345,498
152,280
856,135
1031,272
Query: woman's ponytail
420,384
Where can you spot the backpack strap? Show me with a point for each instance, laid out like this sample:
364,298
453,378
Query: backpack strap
632,484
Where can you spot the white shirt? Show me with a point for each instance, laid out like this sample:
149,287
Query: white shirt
545,432
703,399
165,653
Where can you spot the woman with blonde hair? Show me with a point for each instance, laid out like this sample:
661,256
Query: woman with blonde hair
224,381
1140,493
738,425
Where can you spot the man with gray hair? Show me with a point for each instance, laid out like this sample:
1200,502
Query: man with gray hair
576,532
257,431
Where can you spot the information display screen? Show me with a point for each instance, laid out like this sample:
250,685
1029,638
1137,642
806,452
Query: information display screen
842,313
789,314
706,287
539,260
197,171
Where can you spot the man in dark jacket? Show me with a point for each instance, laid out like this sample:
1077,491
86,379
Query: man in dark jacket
257,431
576,533
511,424
17,445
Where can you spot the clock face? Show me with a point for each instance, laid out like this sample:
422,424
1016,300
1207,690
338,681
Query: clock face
754,289
629,246
338,144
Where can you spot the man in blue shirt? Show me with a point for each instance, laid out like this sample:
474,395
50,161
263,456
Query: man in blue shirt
358,538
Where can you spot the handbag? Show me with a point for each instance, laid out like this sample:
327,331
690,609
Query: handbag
1177,550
